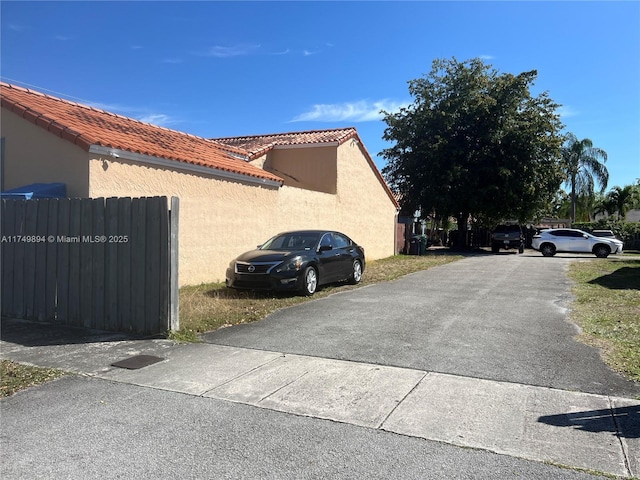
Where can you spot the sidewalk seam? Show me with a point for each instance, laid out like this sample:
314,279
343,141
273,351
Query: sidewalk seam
241,375
379,426
623,445
283,386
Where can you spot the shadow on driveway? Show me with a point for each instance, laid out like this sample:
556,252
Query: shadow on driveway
39,334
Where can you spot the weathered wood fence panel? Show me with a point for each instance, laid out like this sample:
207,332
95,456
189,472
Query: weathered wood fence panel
104,264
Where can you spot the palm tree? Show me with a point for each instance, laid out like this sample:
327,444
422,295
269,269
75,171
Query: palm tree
623,198
604,205
583,168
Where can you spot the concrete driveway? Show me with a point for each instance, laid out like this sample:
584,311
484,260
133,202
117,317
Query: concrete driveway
498,317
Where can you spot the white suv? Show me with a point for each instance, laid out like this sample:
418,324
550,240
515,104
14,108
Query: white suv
548,242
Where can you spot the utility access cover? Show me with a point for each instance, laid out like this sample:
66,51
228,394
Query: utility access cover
137,361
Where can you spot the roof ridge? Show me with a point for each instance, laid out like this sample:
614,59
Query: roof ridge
280,134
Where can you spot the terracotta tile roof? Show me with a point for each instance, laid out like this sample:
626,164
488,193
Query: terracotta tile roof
257,145
86,126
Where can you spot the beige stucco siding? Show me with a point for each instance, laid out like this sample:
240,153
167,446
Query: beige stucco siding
33,155
366,211
310,168
219,219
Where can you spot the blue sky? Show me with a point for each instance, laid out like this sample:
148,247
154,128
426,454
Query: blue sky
218,69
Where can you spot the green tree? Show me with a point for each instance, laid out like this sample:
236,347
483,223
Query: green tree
604,205
583,168
474,143
624,199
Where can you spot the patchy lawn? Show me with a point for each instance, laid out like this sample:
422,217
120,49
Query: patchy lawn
15,376
607,308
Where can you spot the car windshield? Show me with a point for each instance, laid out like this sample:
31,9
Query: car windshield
507,228
292,241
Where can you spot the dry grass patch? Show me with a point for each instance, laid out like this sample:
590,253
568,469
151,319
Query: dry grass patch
15,376
208,307
607,308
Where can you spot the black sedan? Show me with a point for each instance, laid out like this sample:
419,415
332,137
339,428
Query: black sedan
298,261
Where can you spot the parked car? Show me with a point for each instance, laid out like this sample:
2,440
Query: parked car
604,233
298,261
507,236
551,241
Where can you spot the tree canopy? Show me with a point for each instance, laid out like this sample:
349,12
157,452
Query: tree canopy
474,142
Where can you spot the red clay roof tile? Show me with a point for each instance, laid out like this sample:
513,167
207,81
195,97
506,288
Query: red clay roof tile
258,145
86,126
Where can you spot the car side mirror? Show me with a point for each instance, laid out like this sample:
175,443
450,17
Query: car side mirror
324,248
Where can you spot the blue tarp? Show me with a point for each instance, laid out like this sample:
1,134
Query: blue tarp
37,190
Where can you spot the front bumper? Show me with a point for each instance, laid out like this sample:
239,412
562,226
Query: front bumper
264,281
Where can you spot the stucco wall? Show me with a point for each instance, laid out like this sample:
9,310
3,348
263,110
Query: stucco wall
220,219
312,168
366,212
33,155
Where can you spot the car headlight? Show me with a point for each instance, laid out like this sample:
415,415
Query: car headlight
292,265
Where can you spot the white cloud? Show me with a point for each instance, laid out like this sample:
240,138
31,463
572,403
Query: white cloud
360,111
233,51
486,57
284,52
566,111
171,60
141,114
158,119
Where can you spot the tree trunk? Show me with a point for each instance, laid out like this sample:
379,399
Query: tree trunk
461,240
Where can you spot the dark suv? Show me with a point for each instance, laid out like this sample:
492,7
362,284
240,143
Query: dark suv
507,236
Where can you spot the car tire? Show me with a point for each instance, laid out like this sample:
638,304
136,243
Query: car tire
495,248
548,250
310,281
521,249
601,251
356,275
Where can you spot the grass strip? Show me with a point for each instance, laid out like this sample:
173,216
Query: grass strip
16,376
607,308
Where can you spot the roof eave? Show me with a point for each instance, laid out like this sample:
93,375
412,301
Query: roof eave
182,165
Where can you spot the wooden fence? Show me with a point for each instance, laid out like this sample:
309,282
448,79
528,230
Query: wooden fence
107,264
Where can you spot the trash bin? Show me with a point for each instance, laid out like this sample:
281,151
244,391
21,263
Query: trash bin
423,244
414,246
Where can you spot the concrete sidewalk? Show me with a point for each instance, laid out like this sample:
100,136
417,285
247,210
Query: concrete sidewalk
575,429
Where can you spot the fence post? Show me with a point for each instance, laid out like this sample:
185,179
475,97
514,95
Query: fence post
174,299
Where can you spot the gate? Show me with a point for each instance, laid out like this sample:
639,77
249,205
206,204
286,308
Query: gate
107,264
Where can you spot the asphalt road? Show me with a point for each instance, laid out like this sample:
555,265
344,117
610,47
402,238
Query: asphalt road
86,428
500,317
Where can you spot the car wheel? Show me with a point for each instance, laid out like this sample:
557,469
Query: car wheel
495,248
548,250
521,249
356,276
601,251
310,284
